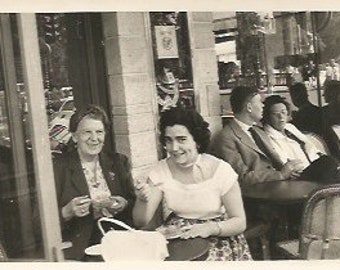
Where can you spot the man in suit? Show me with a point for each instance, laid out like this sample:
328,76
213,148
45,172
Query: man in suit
331,117
253,161
308,116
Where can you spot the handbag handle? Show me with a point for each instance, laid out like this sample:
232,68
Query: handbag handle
114,221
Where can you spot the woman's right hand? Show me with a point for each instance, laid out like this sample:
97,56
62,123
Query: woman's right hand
143,191
77,207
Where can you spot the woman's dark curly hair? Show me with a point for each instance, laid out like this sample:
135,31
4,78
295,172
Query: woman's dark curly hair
93,112
269,102
192,120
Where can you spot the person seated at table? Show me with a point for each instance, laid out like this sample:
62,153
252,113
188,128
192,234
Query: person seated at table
331,117
197,191
290,144
244,145
308,116
90,183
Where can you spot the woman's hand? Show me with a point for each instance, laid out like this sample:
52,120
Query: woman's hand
292,169
77,207
201,230
143,191
118,204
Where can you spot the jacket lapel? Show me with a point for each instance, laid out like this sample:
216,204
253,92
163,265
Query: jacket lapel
244,138
106,164
77,175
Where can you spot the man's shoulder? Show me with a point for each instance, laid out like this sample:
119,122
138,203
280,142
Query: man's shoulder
226,133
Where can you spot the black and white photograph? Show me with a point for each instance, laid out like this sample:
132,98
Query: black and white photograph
149,135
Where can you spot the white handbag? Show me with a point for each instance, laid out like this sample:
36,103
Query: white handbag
131,244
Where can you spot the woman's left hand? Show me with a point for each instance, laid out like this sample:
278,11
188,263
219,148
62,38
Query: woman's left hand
200,230
118,204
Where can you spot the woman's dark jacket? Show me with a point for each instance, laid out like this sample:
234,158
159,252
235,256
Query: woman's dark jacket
70,183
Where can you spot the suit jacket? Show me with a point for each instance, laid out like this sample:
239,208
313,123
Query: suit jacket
235,146
70,182
308,118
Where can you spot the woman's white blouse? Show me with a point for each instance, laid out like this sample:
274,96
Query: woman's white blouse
201,200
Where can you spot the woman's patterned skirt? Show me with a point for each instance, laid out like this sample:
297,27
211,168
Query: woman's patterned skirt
233,248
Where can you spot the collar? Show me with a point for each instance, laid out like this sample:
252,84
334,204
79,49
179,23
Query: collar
245,127
272,132
195,163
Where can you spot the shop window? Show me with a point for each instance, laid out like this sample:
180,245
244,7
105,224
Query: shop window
74,72
172,59
20,230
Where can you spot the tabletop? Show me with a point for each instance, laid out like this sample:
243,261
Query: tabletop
193,249
288,191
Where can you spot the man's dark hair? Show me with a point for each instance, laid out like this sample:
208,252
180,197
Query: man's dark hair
298,93
240,96
332,90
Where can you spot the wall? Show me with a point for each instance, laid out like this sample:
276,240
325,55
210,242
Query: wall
204,66
126,40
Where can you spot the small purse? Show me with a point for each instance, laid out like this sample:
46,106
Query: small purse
131,244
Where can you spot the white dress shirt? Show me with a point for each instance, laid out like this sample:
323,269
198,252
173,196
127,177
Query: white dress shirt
245,127
289,149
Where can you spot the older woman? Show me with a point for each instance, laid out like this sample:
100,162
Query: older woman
89,183
199,193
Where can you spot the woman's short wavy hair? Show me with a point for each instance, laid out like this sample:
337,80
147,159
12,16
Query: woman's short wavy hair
269,102
192,120
93,112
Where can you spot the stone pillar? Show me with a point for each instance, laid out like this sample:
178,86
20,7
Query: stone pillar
204,68
131,87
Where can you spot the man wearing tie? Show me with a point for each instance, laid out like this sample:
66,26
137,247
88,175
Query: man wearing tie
290,144
246,146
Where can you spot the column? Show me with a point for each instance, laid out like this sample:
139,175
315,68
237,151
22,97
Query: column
131,87
204,68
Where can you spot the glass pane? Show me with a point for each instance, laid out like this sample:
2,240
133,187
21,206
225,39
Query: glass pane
20,232
73,68
172,59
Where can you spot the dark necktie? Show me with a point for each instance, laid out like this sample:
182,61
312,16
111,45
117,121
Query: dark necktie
261,145
300,142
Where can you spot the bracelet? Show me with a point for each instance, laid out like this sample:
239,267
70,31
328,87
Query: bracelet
219,228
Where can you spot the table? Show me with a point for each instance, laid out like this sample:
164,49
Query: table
281,194
193,249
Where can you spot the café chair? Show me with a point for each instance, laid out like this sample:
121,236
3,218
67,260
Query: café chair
318,142
336,129
320,231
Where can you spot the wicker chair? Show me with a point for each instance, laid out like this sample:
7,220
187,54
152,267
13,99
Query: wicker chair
320,230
